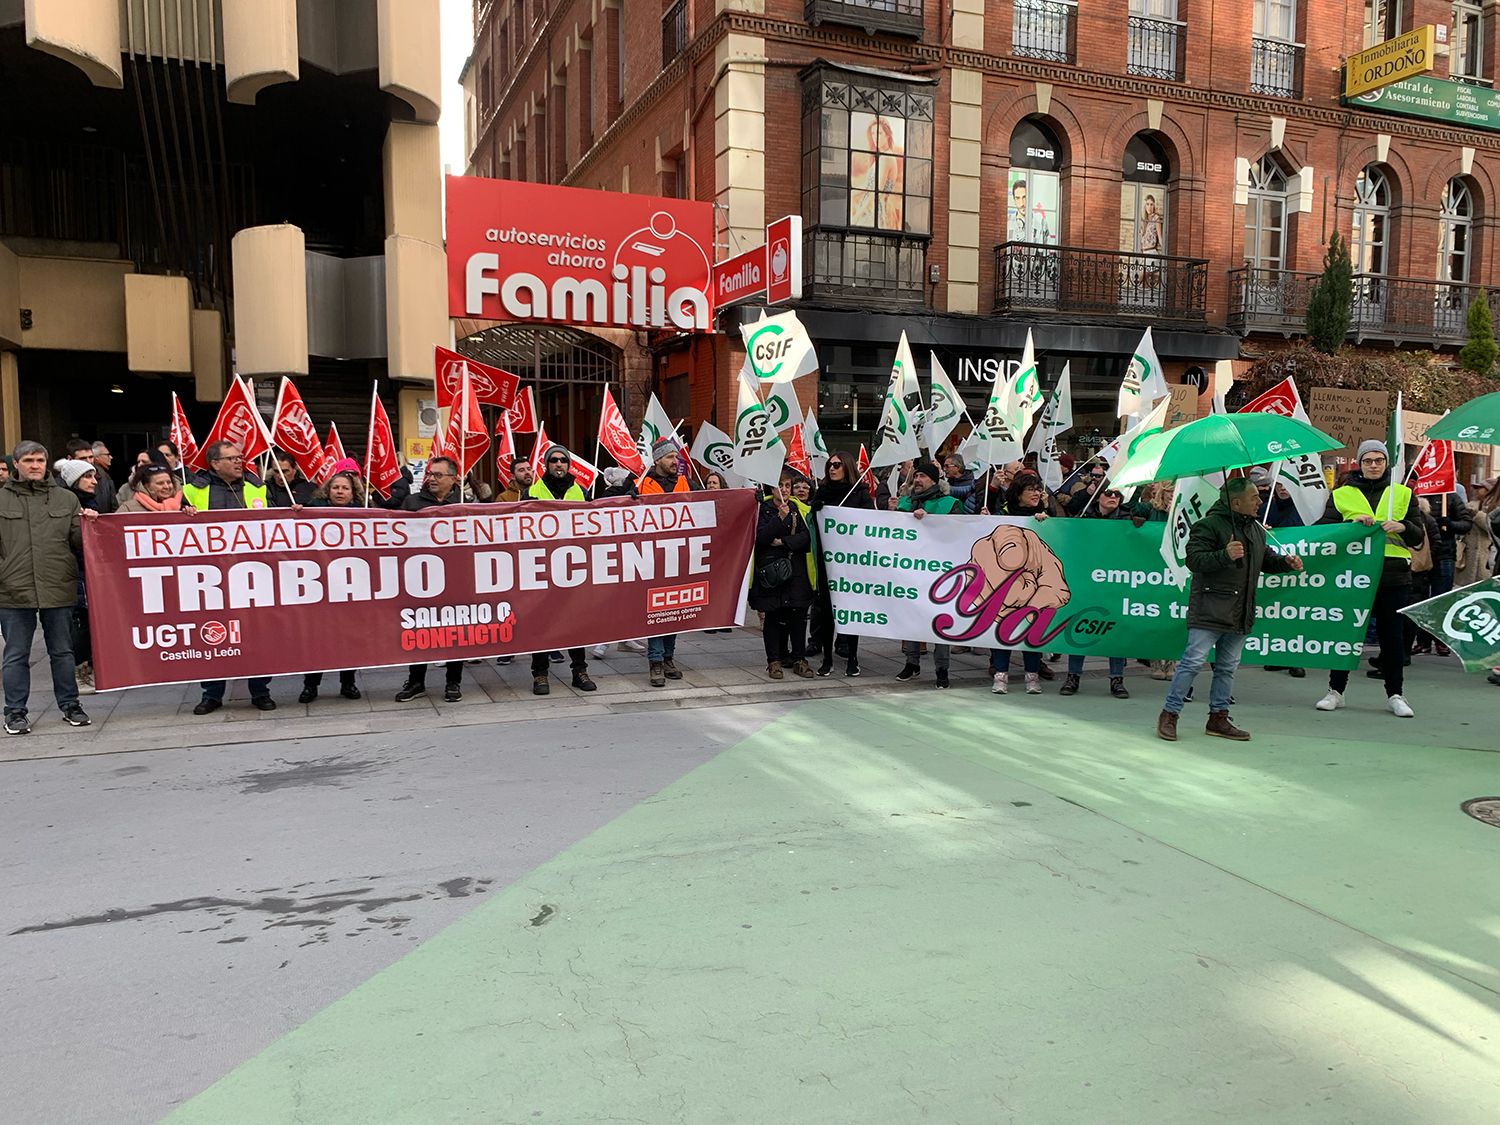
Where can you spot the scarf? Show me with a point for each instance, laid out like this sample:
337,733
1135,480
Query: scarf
920,498
171,504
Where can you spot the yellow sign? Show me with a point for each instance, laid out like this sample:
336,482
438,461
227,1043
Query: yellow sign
1405,56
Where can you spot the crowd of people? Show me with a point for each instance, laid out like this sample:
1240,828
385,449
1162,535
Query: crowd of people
1431,544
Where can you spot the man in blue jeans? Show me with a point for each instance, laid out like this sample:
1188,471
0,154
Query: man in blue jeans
1226,553
40,533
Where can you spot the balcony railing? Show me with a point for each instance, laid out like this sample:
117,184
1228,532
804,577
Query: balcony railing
1154,48
898,17
1070,280
1275,68
1400,309
1043,29
867,268
674,31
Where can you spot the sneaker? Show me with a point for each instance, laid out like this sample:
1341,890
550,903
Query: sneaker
942,678
1117,687
410,691
600,651
75,716
910,672
556,657
1399,707
773,669
452,693
539,685
15,723
84,673
825,669
1070,685
851,669
582,682
1443,650
1034,683
1001,685
308,695
1330,702
502,661
669,667
632,646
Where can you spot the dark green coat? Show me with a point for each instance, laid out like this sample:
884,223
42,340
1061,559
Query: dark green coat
39,533
1222,598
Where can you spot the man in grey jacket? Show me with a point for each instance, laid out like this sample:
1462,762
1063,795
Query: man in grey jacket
40,531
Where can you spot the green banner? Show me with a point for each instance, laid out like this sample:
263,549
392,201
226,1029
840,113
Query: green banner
1086,586
1474,107
1467,620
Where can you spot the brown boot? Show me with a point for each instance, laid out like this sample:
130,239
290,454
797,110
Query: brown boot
1166,726
803,669
1220,726
773,669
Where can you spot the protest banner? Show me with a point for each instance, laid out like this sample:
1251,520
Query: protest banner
1467,620
1350,416
1096,587
225,595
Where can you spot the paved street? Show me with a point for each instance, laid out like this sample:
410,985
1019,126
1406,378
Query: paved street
744,902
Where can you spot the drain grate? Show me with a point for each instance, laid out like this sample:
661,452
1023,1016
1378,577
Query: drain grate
1483,809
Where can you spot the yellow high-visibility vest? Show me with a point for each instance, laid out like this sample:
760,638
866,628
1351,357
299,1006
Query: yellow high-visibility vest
1351,502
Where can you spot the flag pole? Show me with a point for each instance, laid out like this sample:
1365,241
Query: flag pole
683,449
370,437
463,431
599,445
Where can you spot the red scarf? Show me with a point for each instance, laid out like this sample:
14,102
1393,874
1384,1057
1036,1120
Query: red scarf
172,504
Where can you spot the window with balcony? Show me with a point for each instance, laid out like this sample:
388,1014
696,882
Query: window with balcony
1455,237
1275,54
866,182
895,17
1383,19
1043,29
1466,50
1154,40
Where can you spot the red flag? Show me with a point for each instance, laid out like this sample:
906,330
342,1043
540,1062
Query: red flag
538,451
796,453
614,437
292,430
1435,474
466,439
521,414
382,467
584,473
182,437
864,470
490,385
505,451
1280,399
333,444
240,422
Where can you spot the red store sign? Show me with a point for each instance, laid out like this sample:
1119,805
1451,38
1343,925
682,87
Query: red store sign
519,251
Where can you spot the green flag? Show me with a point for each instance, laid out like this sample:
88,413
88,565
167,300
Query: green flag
1467,620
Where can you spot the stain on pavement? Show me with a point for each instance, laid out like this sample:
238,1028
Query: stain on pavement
337,771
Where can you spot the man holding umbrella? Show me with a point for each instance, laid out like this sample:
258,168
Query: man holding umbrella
1226,552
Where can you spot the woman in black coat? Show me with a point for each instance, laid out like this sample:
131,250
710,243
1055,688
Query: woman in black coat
783,586
840,488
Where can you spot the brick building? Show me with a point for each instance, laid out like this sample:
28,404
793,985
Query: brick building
966,171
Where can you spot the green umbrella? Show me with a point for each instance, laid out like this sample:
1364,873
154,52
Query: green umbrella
1477,420
1218,442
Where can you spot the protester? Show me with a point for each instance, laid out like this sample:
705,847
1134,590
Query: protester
153,488
961,484
614,481
1109,506
557,482
1226,552
897,483
1083,491
1025,498
104,487
1472,556
1416,641
81,479
170,457
1368,496
840,488
79,449
439,487
713,480
341,490
662,478
927,497
400,491
5,473
521,479
285,485
998,485
40,535
785,577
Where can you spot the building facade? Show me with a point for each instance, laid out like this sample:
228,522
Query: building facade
195,188
968,171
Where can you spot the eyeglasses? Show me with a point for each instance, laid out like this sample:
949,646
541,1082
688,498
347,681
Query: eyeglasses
1376,460
232,460
433,474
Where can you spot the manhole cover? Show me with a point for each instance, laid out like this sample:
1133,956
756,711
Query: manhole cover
1484,809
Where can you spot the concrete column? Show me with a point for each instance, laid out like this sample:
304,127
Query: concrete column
740,137
10,401
409,61
260,46
270,300
85,33
964,147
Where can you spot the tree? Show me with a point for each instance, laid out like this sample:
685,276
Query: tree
1328,307
1478,355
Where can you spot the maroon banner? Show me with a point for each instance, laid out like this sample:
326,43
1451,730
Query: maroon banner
175,598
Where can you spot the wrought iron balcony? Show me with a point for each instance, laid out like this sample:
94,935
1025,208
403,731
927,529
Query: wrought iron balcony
1275,68
1044,29
1399,309
1073,281
674,31
1154,48
897,17
865,268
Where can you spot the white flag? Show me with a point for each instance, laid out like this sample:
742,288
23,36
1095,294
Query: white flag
777,350
1026,388
1144,382
1302,476
1057,414
1191,499
714,448
901,415
995,440
1154,420
945,408
656,425
781,404
812,441
758,452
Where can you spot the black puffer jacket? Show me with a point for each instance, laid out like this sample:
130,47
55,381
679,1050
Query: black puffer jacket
778,538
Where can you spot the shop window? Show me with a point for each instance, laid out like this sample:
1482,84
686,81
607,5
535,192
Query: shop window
1034,184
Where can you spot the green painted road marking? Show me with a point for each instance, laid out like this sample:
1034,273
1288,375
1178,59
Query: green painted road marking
875,910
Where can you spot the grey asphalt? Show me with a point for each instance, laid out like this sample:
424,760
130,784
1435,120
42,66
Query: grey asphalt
166,915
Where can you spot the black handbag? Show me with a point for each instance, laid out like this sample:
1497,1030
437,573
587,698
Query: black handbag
773,574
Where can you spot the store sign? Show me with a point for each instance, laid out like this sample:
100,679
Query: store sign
1473,107
1405,56
536,252
770,272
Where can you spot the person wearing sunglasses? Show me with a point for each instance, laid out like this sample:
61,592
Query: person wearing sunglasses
840,488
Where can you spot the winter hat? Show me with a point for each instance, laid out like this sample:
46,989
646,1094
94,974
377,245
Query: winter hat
555,448
930,470
347,465
661,447
72,472
1261,476
614,476
1370,446
1066,461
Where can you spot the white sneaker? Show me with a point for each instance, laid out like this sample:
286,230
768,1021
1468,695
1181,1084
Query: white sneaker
1399,707
600,651
1001,686
632,646
1332,701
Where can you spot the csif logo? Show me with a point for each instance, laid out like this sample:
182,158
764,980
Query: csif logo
768,350
755,432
